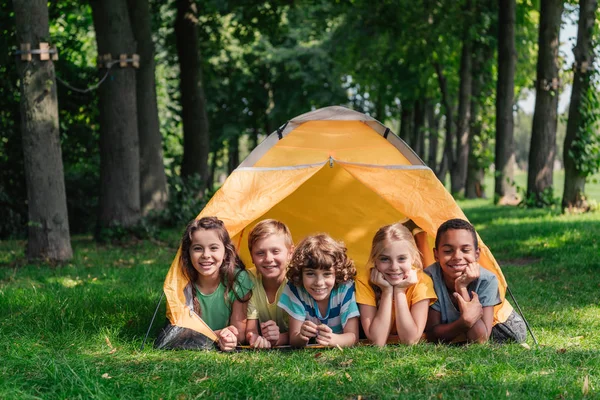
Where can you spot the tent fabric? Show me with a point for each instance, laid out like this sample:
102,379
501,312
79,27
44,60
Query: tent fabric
337,171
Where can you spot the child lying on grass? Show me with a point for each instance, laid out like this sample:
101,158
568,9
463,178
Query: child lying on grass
467,294
271,246
319,296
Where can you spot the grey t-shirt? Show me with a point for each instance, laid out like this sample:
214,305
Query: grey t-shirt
486,288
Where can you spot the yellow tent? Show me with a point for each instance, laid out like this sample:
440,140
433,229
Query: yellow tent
330,170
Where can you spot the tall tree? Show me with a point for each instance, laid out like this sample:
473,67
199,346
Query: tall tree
578,126
153,181
48,227
196,143
119,202
543,136
458,172
504,189
432,128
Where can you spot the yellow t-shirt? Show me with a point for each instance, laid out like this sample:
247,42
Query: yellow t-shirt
422,290
259,307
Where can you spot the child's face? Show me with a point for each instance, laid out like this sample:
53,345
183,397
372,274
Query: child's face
395,261
318,283
271,256
207,252
456,250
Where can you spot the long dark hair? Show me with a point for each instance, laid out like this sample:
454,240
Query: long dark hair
230,268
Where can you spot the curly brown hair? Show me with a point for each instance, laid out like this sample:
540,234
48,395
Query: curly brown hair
323,252
231,267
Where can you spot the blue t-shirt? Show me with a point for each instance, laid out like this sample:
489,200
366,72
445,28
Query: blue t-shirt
486,287
301,306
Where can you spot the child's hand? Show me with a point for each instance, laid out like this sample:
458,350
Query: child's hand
258,342
270,331
378,280
325,335
470,311
261,343
308,330
470,274
228,338
409,279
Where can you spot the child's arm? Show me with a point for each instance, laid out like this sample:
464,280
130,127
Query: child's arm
480,332
470,313
410,322
377,321
239,317
301,332
326,337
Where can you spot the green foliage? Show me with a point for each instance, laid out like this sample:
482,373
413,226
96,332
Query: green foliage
186,200
117,234
585,149
546,199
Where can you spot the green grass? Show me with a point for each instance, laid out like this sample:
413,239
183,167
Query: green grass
75,331
592,186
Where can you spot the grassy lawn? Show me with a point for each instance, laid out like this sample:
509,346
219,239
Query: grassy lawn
75,331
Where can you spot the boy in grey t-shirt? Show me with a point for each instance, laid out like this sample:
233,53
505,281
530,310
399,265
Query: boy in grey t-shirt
467,294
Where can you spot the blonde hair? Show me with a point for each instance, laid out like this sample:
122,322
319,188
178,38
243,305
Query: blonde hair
321,252
268,227
395,233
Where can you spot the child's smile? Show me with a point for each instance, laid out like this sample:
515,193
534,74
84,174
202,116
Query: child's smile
394,262
207,252
271,256
319,283
456,250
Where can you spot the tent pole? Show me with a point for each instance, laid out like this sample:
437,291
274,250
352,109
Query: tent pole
151,322
522,315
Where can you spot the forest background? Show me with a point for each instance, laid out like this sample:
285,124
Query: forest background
145,147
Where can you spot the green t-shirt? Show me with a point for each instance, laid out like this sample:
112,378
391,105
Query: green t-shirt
215,310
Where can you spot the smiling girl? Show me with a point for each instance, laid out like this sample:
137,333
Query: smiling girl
220,284
398,295
319,296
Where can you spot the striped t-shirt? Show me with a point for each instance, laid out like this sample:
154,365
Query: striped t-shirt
301,306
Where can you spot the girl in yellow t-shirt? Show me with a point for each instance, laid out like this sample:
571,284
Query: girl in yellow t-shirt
395,296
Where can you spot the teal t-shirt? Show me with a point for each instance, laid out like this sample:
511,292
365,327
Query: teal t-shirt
215,310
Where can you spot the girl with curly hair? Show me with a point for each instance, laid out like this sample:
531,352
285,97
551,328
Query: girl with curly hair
220,284
395,298
319,296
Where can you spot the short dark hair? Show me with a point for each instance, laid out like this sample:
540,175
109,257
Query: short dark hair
456,224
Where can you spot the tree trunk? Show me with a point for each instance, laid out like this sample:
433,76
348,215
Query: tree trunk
406,117
432,125
543,135
448,157
48,227
574,188
475,174
505,161
153,181
119,202
458,172
418,129
196,143
233,152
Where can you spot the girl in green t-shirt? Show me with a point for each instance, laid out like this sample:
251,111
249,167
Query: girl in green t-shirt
221,285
